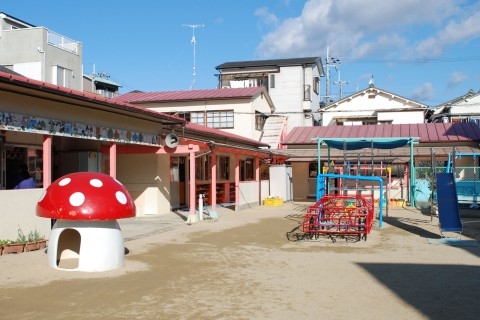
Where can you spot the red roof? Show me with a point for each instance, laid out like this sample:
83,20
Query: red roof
427,132
189,95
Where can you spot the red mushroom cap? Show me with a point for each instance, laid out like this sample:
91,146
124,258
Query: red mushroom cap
86,196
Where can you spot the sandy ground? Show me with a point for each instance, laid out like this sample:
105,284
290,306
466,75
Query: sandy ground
247,265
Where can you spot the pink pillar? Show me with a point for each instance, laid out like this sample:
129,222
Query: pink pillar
237,180
113,160
192,183
257,178
214,181
47,160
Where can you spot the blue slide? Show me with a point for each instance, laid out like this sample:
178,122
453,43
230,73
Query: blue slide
448,211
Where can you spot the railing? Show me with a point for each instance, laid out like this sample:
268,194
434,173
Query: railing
59,41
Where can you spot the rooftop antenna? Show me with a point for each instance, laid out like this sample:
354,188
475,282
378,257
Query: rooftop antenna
193,41
371,83
329,62
340,84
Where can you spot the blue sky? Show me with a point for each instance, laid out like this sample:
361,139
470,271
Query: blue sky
428,50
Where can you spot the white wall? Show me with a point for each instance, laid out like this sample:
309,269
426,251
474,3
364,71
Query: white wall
19,212
248,194
400,117
363,105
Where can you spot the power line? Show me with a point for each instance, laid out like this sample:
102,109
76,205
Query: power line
416,60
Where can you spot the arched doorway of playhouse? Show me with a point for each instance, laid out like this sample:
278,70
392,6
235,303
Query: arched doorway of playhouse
68,249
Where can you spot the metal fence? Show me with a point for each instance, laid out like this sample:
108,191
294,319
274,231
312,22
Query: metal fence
467,183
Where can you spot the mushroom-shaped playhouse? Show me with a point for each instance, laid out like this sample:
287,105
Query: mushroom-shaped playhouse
86,235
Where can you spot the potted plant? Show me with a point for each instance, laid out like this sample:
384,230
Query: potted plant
2,243
16,246
34,241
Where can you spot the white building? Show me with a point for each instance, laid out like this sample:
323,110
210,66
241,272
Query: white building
293,84
373,106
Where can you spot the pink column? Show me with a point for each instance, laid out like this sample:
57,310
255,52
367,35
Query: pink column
257,179
237,180
214,181
192,183
47,160
113,160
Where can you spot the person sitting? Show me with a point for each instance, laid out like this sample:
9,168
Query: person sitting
24,179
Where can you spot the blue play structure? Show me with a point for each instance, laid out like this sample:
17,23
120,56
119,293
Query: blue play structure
448,210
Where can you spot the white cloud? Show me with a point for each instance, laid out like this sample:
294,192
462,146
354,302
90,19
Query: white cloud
456,78
424,92
267,17
465,29
362,29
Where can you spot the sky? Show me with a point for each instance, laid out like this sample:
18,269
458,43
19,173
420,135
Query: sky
427,51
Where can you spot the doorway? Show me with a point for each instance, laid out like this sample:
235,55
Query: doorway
178,185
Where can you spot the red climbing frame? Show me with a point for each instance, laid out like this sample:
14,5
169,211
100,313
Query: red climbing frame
337,215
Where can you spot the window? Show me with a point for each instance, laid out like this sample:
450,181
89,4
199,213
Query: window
220,119
181,114
247,169
63,77
223,168
260,119
307,93
198,118
213,119
316,85
475,119
202,168
14,157
272,81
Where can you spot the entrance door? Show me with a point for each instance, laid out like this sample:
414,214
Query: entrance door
178,196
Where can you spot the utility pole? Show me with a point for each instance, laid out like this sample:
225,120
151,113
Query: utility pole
194,42
340,84
329,62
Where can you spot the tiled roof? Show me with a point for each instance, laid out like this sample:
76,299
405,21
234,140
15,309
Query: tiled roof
189,95
273,62
427,132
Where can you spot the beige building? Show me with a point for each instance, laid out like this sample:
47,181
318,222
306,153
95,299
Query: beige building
248,112
163,161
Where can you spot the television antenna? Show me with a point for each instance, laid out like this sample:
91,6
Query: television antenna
194,42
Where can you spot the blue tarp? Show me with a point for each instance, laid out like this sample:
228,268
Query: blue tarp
354,144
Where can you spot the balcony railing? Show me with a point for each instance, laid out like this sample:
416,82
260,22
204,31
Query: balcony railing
59,41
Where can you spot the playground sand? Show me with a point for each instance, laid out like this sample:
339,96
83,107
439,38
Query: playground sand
249,265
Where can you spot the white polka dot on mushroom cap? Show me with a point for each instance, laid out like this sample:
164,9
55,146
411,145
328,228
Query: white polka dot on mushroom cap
77,199
96,183
64,182
121,197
